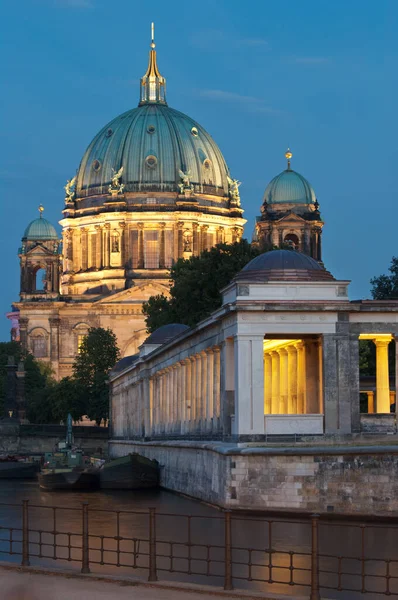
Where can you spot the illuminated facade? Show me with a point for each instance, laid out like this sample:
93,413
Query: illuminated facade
152,187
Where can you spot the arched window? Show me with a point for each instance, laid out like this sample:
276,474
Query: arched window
291,239
38,343
40,280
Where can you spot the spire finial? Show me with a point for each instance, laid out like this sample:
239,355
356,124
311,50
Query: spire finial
153,85
41,210
288,156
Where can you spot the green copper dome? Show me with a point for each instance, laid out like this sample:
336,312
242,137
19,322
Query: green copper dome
152,148
40,229
289,187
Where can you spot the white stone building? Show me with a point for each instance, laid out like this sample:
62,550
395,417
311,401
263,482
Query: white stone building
279,357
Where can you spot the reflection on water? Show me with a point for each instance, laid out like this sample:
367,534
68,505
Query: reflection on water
190,539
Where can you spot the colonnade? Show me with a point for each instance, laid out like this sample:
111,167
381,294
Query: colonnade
112,244
384,397
292,378
185,397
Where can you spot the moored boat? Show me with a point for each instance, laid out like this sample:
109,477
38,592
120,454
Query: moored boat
17,469
68,479
130,472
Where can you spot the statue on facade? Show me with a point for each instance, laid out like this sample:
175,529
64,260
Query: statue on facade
116,187
70,189
185,185
233,185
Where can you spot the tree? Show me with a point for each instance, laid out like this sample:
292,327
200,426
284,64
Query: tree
196,285
37,373
385,287
98,354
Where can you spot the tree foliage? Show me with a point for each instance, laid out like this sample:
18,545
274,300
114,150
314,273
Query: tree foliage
98,354
385,287
196,285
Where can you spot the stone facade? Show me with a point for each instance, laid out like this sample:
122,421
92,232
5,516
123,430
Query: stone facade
345,480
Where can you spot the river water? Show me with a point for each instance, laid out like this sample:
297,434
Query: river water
190,540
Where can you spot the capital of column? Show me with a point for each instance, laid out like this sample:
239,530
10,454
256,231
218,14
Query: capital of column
98,227
140,225
54,321
83,229
292,349
122,225
205,227
107,226
180,225
162,225
195,226
382,340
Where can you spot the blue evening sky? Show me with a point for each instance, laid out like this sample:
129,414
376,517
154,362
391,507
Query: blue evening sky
319,76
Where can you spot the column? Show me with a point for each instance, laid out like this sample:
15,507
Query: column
180,240
301,378
183,413
162,260
210,389
140,262
123,237
76,250
23,331
220,235
371,402
249,384
312,378
106,245
193,393
216,389
382,375
292,380
98,260
198,392
267,383
195,236
283,381
203,241
275,383
54,343
68,252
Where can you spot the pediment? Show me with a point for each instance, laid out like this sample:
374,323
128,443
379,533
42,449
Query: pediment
138,293
291,218
39,251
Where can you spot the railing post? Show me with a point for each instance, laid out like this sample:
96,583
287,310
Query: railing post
25,534
314,558
228,552
152,545
85,540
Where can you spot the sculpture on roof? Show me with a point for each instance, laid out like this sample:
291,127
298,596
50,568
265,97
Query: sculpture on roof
185,185
116,187
233,185
70,189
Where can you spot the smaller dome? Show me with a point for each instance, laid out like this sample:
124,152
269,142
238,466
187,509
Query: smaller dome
164,334
283,265
40,229
289,187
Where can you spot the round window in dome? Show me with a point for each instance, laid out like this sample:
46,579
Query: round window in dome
207,164
151,161
109,132
194,132
96,165
151,129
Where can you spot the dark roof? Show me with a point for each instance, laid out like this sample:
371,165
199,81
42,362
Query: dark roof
164,334
283,265
123,363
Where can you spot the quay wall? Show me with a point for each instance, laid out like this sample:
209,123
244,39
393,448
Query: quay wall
37,439
351,480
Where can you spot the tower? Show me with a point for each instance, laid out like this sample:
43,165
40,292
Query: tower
39,259
290,214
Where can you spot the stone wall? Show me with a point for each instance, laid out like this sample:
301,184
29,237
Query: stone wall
378,423
345,480
37,439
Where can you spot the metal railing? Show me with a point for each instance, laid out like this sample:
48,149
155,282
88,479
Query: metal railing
219,550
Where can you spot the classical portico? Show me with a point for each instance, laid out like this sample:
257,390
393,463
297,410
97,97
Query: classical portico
279,358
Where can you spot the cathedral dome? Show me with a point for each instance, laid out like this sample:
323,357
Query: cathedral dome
289,187
152,144
284,265
40,229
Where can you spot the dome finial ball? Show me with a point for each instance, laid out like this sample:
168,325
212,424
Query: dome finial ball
41,209
288,155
